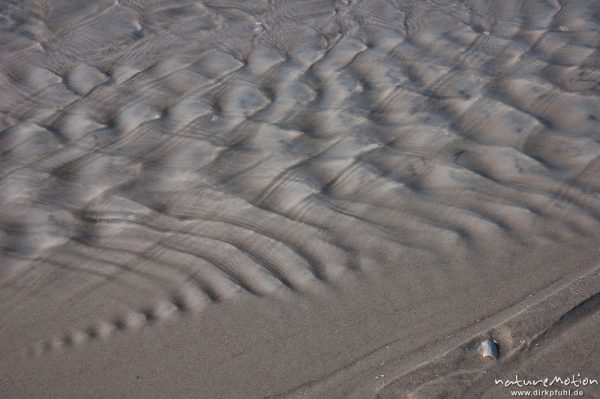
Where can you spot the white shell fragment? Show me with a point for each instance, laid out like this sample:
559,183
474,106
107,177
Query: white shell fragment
489,348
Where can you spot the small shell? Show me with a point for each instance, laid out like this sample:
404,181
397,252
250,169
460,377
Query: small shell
489,348
259,27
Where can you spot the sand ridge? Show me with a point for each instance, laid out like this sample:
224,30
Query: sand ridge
355,172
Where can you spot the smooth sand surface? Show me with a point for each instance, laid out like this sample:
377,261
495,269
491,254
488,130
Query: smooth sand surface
297,198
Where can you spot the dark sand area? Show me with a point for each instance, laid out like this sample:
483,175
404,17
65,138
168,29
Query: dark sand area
297,198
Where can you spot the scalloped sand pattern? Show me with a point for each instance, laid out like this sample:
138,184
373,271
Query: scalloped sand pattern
246,199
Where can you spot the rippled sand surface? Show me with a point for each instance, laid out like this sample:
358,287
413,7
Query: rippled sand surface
296,199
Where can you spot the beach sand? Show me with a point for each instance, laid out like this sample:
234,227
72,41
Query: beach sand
297,199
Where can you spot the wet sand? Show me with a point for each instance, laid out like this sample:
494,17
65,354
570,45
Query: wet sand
297,199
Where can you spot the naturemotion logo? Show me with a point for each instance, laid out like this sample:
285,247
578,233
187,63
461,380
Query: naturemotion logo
570,381
560,386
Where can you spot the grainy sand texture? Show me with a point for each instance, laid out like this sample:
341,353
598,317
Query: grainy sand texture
297,198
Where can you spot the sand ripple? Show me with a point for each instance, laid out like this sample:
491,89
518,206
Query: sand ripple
159,157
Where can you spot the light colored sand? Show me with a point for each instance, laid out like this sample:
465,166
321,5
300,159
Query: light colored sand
295,199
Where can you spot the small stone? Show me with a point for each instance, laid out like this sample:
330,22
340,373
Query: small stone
489,348
563,28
